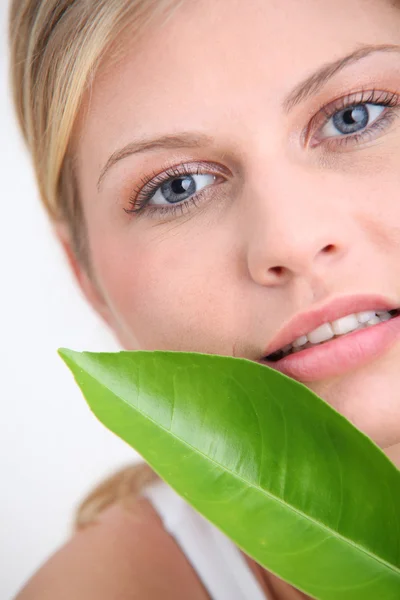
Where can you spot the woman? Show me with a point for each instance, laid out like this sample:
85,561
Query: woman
224,177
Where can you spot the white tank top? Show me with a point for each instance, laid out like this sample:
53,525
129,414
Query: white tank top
218,562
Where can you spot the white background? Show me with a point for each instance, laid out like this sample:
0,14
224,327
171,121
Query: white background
52,449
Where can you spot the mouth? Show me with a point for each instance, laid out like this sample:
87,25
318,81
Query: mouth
333,347
329,331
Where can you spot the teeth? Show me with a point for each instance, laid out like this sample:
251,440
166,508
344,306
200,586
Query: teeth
300,341
327,331
345,325
364,317
322,334
374,321
384,316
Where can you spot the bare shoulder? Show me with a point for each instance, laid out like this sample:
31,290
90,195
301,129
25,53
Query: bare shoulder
126,554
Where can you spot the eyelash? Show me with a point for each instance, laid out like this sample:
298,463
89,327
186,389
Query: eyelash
375,97
142,194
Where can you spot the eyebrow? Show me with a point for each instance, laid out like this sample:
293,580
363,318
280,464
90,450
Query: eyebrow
309,87
182,140
317,80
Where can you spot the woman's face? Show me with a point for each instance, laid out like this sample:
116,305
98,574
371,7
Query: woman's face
260,201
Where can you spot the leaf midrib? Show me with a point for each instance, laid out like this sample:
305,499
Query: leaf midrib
268,494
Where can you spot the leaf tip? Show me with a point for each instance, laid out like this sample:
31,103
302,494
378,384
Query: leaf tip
68,356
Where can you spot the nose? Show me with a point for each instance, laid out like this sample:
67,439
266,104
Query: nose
296,228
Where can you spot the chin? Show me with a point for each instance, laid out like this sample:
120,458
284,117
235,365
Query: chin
369,398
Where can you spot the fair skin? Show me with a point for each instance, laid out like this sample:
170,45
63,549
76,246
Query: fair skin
285,226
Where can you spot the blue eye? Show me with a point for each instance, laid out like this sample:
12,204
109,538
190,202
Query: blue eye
352,119
180,188
175,190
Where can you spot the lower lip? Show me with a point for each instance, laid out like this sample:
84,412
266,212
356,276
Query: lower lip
340,354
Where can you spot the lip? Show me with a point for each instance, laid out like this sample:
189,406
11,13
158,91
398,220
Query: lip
339,355
306,322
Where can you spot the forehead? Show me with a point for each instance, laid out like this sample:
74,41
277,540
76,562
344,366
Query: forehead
216,63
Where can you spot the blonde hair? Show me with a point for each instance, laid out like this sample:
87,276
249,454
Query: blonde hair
56,48
121,487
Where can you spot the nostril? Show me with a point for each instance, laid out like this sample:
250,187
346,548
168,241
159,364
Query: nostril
277,271
328,249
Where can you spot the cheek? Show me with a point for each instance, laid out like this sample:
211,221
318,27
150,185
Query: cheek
379,218
162,287
369,398
373,202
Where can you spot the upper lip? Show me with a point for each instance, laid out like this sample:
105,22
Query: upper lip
306,322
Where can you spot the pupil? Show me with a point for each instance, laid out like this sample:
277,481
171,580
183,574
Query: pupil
354,115
179,188
181,185
351,120
348,117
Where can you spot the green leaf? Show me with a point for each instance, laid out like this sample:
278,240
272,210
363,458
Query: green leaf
286,477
